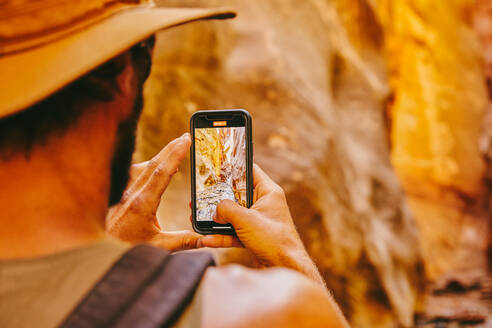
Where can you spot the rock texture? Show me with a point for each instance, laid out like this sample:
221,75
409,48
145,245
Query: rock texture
313,75
346,96
437,111
483,27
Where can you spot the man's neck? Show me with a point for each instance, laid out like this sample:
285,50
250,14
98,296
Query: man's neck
50,204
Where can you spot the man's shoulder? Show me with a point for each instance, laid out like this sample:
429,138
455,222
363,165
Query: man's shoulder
236,296
241,279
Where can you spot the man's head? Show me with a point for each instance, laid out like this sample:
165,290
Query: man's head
45,45
71,80
115,89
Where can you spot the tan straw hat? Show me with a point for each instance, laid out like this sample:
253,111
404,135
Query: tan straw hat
46,44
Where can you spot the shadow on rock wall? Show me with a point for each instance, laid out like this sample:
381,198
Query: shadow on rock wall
316,86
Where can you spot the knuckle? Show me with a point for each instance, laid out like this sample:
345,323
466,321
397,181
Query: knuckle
151,163
158,171
188,242
126,195
161,170
136,205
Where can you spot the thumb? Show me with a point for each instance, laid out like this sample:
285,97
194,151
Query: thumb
177,240
229,211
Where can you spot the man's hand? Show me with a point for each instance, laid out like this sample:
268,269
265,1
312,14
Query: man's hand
266,229
134,218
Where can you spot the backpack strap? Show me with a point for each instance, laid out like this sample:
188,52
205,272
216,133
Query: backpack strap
146,287
163,301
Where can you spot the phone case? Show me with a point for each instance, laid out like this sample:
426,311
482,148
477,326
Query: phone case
217,114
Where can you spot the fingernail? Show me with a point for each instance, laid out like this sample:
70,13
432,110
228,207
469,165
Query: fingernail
185,135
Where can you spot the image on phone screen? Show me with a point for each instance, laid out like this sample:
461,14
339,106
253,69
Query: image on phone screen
220,168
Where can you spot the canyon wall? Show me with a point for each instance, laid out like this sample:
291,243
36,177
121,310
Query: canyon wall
368,113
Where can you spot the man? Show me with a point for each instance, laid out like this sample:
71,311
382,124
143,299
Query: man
72,75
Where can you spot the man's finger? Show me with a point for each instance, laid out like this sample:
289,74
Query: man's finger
136,170
260,176
177,240
163,155
147,168
229,211
141,172
262,183
160,177
220,241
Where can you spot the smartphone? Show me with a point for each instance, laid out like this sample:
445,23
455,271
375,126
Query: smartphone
221,165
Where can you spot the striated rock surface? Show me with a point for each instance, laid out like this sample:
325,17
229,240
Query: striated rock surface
437,112
313,75
483,27
439,93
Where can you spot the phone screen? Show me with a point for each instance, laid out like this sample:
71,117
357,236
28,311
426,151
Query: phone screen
220,165
220,168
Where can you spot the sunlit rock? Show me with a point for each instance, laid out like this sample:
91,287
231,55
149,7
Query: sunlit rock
439,93
437,111
439,142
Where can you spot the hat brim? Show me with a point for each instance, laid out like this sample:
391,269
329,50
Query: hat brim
30,76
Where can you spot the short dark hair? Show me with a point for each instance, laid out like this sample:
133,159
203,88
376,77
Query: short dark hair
22,131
